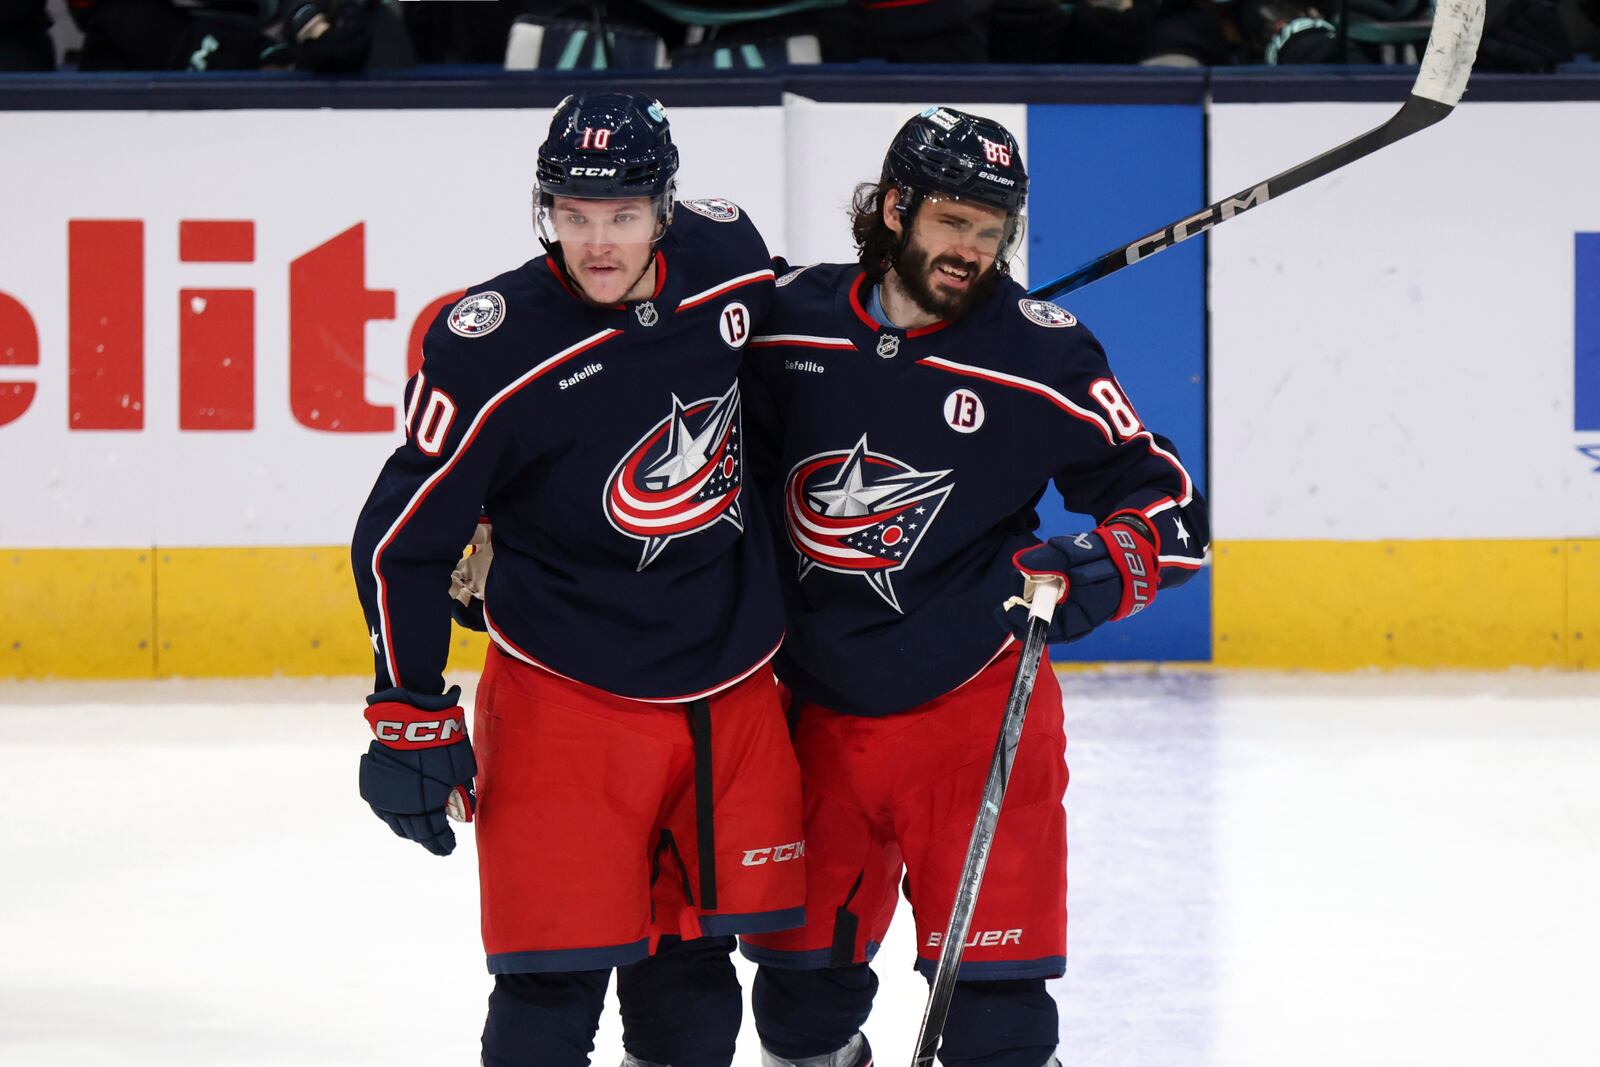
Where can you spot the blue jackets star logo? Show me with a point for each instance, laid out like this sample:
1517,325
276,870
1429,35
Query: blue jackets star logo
682,477
858,511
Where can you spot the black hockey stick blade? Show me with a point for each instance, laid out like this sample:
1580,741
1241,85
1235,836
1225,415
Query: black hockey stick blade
1041,603
1446,65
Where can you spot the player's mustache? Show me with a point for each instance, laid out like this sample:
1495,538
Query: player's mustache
968,265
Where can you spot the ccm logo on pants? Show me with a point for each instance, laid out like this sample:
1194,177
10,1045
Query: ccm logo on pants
755,857
981,938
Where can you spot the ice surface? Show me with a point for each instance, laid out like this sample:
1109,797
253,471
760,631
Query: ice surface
1265,870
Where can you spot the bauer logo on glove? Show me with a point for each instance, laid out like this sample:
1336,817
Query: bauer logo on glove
1110,573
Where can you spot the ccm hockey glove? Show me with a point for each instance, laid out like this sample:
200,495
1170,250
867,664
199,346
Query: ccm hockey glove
420,767
1110,572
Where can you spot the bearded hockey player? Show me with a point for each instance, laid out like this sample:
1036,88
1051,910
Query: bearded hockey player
627,743
922,402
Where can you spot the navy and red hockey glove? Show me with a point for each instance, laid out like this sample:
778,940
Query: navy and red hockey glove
1110,572
420,768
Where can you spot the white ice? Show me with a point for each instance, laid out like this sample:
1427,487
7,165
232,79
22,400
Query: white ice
1266,870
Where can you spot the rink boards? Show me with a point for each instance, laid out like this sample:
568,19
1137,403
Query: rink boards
1386,383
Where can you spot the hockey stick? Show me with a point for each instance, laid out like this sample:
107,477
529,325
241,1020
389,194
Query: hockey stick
1041,604
1452,46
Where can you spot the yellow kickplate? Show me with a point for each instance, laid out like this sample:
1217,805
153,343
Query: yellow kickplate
77,613
1341,605
228,612
1583,604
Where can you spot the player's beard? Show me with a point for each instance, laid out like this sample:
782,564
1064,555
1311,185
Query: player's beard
914,270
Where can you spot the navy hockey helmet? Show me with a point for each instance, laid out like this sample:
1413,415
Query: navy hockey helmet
947,152
607,146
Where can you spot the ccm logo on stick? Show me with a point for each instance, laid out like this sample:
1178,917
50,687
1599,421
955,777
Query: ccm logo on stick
755,857
1184,229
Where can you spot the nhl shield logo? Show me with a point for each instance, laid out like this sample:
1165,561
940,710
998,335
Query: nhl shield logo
681,478
860,512
645,312
888,345
477,315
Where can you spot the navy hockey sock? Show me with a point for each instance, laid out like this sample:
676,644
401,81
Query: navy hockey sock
1000,1024
811,1013
548,1019
682,1006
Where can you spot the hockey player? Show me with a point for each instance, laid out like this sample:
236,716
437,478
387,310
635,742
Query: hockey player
628,745
925,401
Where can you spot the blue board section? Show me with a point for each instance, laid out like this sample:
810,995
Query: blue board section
1102,176
1586,332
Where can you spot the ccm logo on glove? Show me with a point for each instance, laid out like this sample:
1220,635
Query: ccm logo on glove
403,726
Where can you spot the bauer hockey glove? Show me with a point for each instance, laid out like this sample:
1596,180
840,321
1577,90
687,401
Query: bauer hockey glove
1110,573
420,767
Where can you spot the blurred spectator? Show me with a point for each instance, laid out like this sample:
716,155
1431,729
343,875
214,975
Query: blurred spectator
322,36
1583,22
1524,35
444,31
25,36
1027,31
923,31
1196,33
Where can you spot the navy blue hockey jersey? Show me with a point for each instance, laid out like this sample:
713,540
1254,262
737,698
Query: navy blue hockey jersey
908,468
605,444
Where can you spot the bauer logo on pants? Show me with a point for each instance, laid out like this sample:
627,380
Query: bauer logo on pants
980,938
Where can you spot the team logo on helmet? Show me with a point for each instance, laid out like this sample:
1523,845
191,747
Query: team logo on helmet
714,208
682,477
861,512
1047,314
477,315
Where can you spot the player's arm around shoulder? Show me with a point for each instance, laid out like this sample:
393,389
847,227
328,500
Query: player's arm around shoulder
1153,530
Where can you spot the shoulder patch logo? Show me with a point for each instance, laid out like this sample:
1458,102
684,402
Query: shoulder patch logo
792,275
1047,314
714,208
477,315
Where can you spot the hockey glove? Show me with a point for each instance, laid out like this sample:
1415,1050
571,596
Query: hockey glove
420,767
1110,573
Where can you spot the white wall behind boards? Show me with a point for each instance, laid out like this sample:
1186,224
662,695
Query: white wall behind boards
1392,346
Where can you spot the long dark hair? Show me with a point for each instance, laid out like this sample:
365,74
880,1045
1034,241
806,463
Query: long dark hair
877,246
